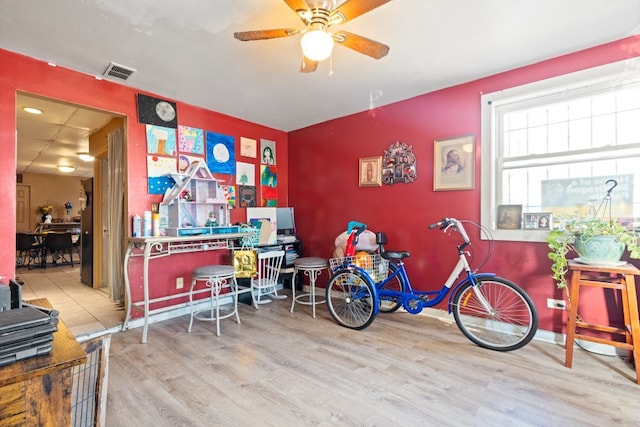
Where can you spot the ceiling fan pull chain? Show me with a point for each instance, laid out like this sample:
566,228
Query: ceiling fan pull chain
331,65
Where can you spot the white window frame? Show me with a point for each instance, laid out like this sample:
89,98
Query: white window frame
608,75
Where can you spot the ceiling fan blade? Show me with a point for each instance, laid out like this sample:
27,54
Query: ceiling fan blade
265,34
308,65
354,8
297,5
361,44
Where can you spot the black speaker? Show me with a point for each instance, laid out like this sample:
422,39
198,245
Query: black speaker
16,294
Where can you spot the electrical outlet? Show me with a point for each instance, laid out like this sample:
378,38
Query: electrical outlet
557,304
179,282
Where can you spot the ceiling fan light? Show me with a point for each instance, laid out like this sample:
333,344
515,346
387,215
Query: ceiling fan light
66,168
317,45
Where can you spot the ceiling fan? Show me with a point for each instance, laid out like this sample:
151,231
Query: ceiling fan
317,41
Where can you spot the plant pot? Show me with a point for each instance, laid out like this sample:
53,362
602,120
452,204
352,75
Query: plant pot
605,249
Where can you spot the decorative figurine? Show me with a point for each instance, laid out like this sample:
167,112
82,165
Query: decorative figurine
211,221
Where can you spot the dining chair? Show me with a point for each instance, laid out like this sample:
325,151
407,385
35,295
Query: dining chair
29,250
59,245
265,282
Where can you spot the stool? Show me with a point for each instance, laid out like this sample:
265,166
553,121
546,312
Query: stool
621,278
312,267
217,278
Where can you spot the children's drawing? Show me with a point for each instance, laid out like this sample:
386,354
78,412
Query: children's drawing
161,140
190,140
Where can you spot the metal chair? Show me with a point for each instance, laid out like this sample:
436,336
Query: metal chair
265,282
217,278
58,245
29,250
311,267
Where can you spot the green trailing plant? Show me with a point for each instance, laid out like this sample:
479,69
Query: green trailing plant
562,240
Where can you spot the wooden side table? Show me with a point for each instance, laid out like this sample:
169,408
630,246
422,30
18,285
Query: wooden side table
37,391
620,278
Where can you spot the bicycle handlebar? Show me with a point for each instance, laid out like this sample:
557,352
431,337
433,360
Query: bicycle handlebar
446,223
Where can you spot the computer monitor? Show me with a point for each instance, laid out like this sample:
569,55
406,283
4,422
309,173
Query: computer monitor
285,221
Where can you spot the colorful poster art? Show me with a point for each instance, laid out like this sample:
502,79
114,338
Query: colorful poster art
221,157
267,152
268,186
190,140
184,161
229,192
159,170
246,196
161,140
246,173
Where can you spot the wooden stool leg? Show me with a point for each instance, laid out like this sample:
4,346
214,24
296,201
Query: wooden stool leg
632,322
574,292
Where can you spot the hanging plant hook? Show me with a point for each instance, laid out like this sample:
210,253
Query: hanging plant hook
606,200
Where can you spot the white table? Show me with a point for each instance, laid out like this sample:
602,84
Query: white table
158,247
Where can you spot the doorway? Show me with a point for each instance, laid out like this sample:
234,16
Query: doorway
41,144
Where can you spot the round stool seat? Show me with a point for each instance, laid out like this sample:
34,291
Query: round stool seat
311,262
217,279
312,267
214,270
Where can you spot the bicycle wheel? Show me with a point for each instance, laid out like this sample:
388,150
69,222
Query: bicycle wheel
350,299
509,324
389,304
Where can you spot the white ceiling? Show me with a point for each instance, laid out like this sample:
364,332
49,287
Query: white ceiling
185,50
56,136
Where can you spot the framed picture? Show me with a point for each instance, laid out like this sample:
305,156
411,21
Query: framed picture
371,171
453,163
537,220
509,217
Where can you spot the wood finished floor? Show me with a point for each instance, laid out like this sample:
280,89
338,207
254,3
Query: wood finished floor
284,369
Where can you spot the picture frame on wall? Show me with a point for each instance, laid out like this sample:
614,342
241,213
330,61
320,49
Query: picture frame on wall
370,171
537,220
454,163
509,217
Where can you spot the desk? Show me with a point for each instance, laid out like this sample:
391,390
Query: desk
37,391
159,247
59,226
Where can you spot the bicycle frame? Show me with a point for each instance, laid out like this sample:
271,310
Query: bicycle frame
414,301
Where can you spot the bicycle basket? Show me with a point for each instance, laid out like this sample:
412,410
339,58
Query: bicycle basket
373,264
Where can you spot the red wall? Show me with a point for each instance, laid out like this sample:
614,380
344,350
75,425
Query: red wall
20,73
324,165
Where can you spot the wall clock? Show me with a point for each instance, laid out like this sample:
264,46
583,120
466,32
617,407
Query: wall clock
155,111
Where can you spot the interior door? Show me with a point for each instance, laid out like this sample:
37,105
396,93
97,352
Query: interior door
86,236
23,207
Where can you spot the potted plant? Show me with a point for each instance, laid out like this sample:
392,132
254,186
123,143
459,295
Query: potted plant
595,240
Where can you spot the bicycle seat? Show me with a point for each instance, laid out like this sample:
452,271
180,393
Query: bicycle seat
381,240
395,254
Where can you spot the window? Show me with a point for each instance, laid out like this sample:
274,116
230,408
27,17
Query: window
550,149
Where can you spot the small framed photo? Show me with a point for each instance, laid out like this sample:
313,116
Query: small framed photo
537,220
509,217
370,171
453,163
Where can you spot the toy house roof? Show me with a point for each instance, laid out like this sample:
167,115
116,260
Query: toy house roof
197,169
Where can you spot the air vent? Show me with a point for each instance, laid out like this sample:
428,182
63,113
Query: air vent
118,71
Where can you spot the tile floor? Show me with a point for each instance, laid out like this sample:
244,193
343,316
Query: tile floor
86,311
